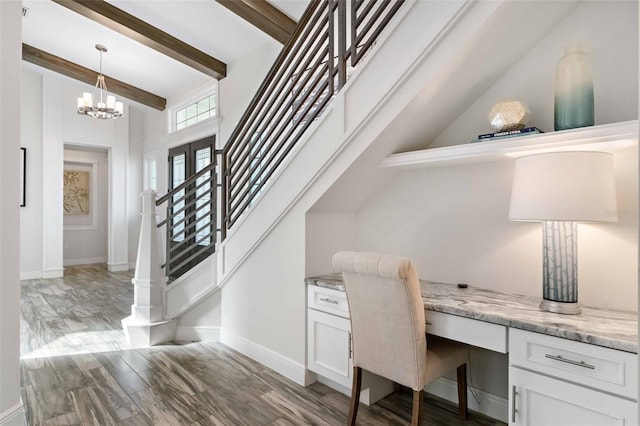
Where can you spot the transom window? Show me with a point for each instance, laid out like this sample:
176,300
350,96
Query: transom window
196,112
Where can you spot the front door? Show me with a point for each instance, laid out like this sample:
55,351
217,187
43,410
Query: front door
191,228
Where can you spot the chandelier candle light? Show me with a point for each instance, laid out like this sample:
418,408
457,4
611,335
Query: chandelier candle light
104,110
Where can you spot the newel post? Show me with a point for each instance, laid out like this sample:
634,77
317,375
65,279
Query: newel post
147,326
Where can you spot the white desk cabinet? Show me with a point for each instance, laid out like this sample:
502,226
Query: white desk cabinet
541,400
329,344
329,334
556,381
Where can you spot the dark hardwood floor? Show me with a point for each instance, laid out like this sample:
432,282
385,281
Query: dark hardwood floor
77,371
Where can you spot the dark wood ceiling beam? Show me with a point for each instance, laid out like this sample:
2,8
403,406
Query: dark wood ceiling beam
118,20
78,72
264,16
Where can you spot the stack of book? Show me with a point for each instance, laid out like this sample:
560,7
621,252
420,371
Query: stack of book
507,134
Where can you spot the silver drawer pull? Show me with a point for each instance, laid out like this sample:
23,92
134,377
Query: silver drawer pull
324,299
570,361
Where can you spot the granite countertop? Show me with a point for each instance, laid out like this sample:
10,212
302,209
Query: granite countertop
602,327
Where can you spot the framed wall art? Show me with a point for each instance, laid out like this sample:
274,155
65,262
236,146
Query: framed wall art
76,192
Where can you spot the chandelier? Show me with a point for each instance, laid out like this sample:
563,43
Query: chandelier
102,109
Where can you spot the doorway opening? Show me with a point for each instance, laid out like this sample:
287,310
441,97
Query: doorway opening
85,205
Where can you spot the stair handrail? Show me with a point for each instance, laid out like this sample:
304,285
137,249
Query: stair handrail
161,200
238,156
304,78
275,68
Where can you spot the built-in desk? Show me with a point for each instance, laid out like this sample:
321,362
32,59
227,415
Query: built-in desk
582,368
602,327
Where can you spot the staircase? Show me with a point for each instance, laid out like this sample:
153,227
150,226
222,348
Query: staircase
331,39
286,204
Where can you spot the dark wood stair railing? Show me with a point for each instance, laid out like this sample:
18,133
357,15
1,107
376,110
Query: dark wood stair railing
311,68
191,227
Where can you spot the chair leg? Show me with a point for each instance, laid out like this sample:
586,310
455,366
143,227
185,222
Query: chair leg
355,396
416,413
462,392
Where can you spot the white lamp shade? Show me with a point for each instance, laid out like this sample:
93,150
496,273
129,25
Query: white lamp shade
564,186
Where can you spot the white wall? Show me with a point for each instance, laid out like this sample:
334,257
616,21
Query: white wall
53,99
11,412
244,78
454,223
86,236
325,235
31,138
267,313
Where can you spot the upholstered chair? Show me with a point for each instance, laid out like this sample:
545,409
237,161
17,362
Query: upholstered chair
388,329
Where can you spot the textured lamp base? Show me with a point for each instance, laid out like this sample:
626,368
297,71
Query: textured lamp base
560,267
567,308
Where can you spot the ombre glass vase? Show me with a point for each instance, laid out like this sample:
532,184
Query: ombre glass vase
574,90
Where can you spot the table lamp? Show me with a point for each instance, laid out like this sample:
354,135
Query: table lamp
560,189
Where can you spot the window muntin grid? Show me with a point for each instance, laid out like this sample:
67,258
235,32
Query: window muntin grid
196,112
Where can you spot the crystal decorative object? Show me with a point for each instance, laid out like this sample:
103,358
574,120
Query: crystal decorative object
509,114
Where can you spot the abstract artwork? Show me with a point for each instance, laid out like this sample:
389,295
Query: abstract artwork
76,199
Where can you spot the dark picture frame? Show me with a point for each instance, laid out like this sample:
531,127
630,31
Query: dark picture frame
23,177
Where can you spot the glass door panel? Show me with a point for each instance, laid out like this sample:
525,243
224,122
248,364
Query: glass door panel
178,176
191,230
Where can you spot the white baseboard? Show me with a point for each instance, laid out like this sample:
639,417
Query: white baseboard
197,333
490,405
287,367
31,275
132,266
84,261
117,267
53,273
14,416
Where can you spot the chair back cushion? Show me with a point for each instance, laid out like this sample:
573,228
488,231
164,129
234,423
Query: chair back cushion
387,316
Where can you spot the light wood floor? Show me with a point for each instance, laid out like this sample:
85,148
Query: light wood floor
76,371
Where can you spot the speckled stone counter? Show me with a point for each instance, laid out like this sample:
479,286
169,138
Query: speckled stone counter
602,327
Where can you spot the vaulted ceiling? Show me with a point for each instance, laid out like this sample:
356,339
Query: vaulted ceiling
163,47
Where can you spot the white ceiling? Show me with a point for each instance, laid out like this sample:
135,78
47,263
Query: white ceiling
204,24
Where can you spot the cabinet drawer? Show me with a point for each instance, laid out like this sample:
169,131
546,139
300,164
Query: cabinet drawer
600,368
537,400
466,330
327,300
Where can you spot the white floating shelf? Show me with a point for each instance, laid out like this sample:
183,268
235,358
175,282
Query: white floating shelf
606,137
